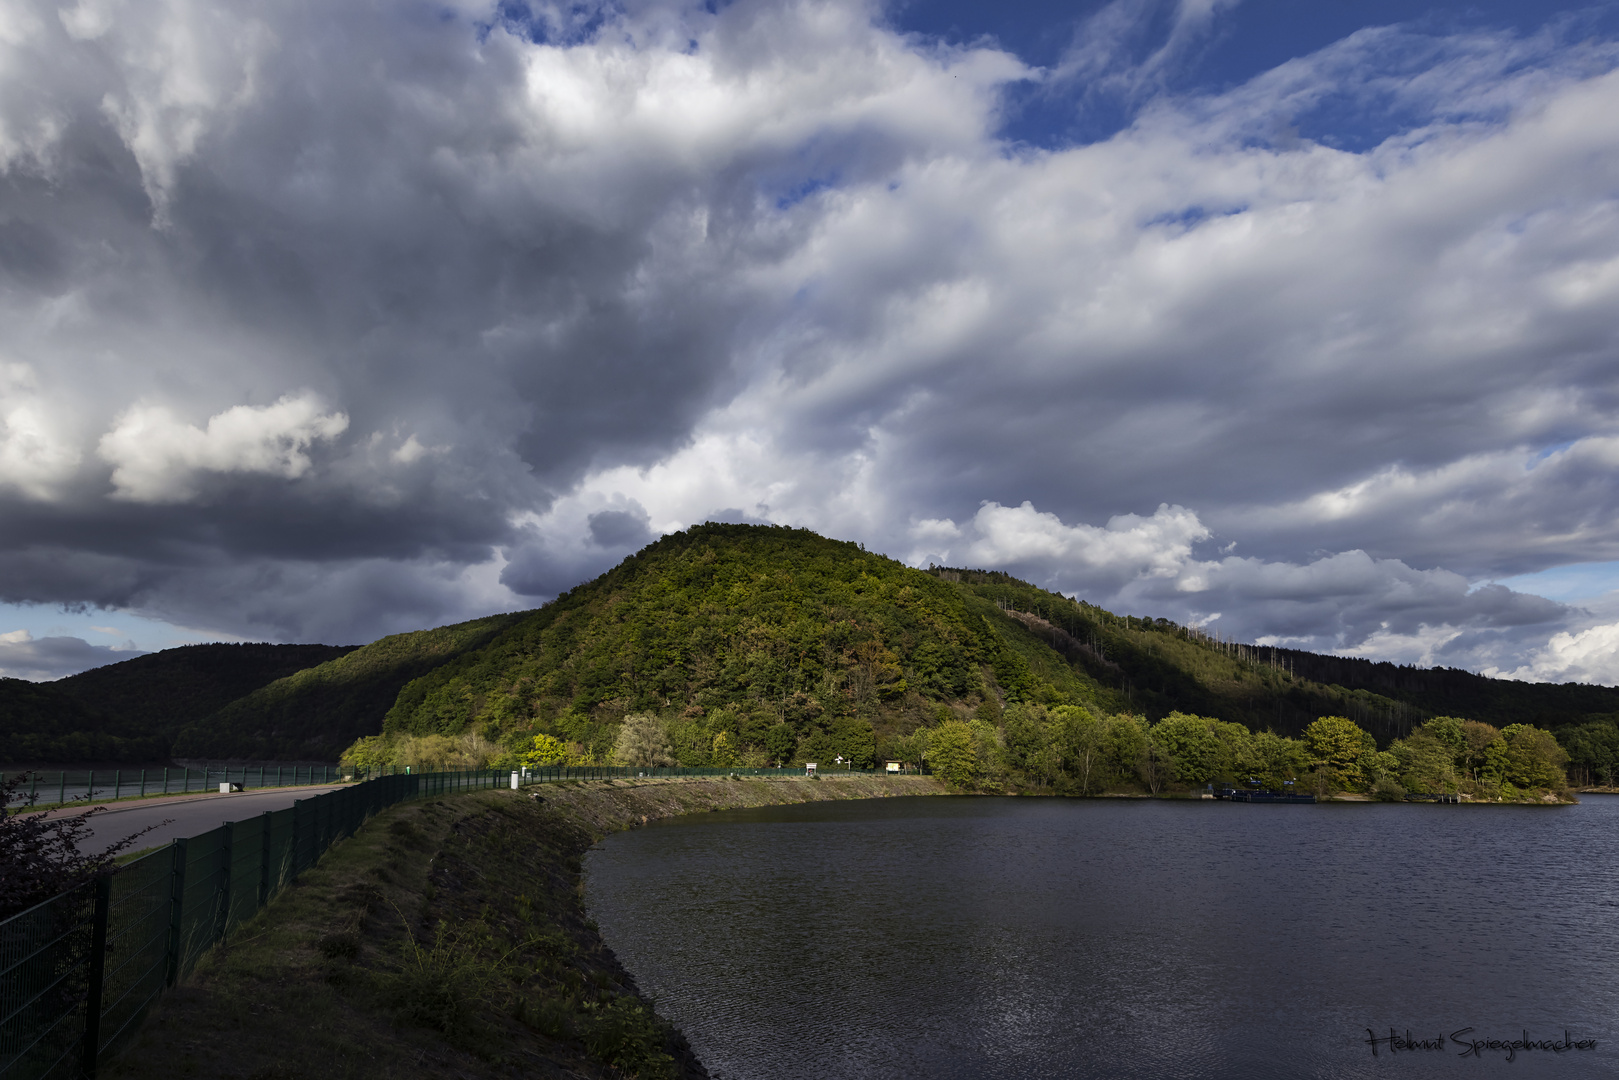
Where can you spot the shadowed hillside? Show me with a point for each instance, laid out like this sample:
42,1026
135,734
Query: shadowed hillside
132,711
315,712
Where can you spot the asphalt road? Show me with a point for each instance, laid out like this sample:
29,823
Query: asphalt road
184,815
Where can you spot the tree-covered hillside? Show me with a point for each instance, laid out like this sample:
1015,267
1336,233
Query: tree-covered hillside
40,723
762,643
786,642
761,633
162,692
1442,689
316,712
132,710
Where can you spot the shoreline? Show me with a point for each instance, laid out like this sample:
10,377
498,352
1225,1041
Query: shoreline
449,937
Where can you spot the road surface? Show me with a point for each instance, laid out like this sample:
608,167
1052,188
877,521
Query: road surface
183,815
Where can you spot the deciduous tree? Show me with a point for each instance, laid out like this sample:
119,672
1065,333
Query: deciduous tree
642,743
953,753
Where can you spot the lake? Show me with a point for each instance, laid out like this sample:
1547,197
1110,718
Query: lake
966,937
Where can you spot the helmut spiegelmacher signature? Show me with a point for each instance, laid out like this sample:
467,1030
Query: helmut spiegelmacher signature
1397,1043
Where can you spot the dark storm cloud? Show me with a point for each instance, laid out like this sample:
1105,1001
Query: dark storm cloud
620,528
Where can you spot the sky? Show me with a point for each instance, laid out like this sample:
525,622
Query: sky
1297,321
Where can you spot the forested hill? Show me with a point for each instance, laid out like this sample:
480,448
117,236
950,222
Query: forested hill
789,645
164,691
764,633
1451,690
316,712
132,711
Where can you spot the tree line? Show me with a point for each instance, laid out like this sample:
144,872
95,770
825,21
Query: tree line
1066,749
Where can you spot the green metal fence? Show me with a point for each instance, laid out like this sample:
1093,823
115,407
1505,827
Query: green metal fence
65,785
79,971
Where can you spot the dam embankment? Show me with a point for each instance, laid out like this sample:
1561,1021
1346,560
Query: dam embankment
449,937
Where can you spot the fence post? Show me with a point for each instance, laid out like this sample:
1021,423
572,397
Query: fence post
98,967
264,862
222,891
177,895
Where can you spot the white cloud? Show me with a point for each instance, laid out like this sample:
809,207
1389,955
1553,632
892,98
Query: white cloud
156,457
1129,547
184,63
1588,656
36,455
23,656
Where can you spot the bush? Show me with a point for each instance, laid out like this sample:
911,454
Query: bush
1388,789
627,1035
40,854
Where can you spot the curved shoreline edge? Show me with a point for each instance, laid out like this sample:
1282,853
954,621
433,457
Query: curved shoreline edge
501,973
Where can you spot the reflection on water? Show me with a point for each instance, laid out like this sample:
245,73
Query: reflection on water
982,937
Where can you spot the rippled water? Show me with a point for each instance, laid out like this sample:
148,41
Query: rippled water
988,937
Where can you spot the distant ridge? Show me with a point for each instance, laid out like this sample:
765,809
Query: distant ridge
316,712
132,710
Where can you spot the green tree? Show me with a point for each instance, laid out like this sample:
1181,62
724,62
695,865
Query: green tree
1079,746
1477,738
987,748
1024,737
1425,760
369,753
1531,758
724,754
545,750
1191,745
1593,750
953,753
780,744
1272,759
1124,742
1336,746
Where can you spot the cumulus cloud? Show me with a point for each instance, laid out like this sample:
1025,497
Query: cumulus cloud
523,289
35,456
1345,602
157,457
23,656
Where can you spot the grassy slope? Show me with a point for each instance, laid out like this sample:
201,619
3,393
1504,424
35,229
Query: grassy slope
316,712
319,983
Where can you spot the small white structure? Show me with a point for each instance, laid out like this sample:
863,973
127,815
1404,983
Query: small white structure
809,768
516,777
227,788
896,766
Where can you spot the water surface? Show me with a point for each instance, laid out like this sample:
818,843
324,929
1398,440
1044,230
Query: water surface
966,937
